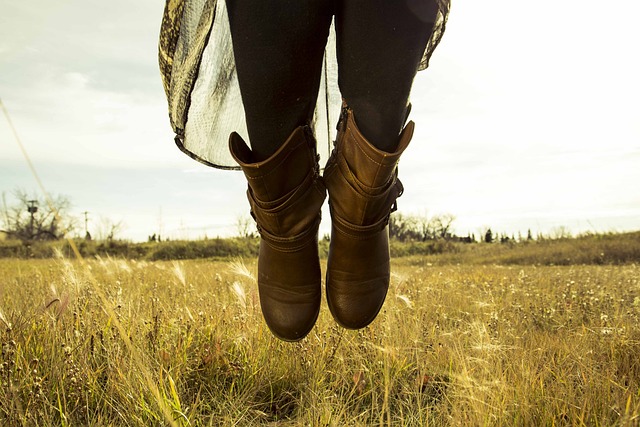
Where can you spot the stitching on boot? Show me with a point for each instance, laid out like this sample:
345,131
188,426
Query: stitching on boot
298,191
270,213
355,141
291,244
366,189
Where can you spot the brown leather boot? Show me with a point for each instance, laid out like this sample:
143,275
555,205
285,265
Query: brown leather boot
286,193
363,186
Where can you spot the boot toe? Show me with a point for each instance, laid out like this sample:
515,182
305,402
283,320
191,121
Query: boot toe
289,321
355,304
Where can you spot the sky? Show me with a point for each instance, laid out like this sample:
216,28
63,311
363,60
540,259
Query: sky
527,118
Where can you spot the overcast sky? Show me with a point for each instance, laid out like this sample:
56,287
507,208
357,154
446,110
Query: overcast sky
527,118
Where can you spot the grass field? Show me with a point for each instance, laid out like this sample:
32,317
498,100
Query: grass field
138,343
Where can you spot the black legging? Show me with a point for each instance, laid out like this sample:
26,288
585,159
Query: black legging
279,45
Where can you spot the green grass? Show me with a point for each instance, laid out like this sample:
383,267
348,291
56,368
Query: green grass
455,345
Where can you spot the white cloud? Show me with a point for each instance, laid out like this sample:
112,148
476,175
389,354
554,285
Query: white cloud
62,117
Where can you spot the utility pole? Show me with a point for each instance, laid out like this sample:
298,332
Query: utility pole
32,208
87,236
160,224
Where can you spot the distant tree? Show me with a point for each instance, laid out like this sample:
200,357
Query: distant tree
488,236
32,218
403,227
468,239
396,226
560,232
246,227
107,229
529,235
442,225
420,228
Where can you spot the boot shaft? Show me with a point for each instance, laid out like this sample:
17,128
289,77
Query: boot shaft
275,177
361,179
285,191
371,166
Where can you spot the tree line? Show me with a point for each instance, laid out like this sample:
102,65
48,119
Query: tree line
31,218
416,228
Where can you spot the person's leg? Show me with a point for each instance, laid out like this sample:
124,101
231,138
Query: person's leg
278,47
379,46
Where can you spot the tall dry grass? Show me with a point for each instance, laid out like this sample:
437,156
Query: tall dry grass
454,345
